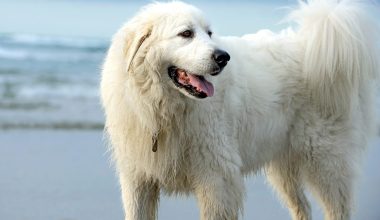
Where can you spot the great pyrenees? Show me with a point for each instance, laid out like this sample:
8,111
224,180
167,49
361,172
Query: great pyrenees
191,112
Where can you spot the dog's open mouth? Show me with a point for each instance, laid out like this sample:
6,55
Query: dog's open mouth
195,85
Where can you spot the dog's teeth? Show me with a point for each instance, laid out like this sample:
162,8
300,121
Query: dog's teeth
184,73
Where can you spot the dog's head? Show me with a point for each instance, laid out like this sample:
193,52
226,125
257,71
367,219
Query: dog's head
173,44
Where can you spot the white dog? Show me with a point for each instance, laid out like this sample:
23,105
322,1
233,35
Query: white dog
299,105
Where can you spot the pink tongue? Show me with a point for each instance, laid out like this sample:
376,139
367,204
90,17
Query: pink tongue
201,85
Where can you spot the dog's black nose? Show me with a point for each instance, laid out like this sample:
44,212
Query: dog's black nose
221,57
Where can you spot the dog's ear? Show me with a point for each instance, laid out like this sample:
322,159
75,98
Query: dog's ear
134,43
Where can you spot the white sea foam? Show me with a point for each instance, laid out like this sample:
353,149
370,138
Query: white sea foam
22,53
54,41
58,92
13,54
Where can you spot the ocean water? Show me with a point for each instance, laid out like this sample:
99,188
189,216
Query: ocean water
49,82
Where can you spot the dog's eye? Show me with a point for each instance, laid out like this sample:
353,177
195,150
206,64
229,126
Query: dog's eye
187,34
209,33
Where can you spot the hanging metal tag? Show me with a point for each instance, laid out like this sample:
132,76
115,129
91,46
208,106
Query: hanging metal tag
155,142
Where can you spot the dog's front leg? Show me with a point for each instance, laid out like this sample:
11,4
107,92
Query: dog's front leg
220,195
140,197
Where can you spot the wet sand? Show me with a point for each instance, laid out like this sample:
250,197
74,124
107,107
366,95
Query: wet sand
67,175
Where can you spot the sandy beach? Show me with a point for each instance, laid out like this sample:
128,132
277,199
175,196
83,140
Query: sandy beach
67,175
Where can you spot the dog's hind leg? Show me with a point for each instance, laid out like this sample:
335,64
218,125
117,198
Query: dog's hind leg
284,175
331,180
140,198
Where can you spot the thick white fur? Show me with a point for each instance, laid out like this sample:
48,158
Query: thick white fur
297,104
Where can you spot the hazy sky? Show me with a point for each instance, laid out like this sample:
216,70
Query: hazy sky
101,18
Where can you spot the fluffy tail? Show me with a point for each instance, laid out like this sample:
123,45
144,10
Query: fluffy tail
341,50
